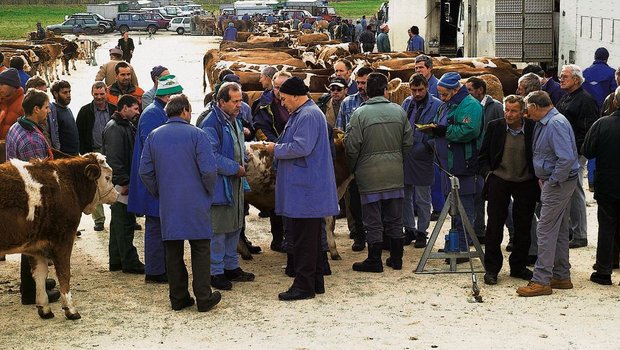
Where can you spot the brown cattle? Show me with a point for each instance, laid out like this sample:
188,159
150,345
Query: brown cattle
313,38
262,181
41,204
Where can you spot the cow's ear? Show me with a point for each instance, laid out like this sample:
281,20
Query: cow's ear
92,172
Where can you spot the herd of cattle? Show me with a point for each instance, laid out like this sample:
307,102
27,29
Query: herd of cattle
42,57
310,56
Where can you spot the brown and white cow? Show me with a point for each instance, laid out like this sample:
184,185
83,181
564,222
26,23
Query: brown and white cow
41,203
262,182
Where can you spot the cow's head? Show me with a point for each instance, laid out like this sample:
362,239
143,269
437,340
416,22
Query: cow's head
101,173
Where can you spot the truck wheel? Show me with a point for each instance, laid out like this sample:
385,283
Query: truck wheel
88,31
123,29
180,30
101,30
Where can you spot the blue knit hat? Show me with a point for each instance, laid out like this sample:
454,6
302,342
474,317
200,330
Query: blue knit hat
10,77
601,54
449,80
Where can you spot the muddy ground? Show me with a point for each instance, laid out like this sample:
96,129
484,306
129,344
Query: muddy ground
393,310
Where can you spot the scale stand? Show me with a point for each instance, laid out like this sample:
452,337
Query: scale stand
455,207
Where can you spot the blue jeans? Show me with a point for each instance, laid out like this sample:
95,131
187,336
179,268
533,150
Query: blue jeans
224,252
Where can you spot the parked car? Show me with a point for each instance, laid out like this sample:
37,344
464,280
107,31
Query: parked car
86,25
180,25
96,17
298,14
126,21
162,22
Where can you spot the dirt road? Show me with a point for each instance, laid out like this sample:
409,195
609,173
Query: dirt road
393,310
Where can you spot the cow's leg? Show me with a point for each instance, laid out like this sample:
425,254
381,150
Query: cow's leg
330,226
62,256
39,274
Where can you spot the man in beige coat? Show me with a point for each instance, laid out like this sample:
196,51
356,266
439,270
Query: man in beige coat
106,72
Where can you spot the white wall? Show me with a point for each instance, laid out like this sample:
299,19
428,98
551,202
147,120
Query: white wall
586,25
403,15
485,28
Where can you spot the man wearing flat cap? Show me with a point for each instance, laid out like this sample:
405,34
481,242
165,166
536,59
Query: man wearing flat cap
156,73
330,102
458,137
383,40
106,71
305,185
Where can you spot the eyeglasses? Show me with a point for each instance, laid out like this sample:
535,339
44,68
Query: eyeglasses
336,88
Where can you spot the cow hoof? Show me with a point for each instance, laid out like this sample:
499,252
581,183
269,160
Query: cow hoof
43,314
336,257
71,316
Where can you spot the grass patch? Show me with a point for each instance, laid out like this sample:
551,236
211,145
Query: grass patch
16,21
356,8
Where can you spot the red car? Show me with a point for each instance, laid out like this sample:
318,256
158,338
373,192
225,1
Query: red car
162,23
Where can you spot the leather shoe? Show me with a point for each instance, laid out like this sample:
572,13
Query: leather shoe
238,275
161,279
295,294
115,267
221,282
358,245
215,298
601,278
276,247
561,284
578,243
524,274
490,278
186,303
136,270
52,296
98,227
534,289
50,283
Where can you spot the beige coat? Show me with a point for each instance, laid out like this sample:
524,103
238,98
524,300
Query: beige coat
107,74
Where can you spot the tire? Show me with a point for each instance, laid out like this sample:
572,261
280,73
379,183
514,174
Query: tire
123,29
180,30
101,30
57,31
151,29
88,31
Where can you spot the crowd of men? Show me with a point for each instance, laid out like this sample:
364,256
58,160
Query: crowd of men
525,156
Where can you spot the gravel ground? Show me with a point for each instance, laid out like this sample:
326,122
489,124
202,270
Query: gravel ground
393,310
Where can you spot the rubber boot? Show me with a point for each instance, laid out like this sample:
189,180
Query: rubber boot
359,241
327,271
410,235
290,265
386,242
395,260
420,240
373,263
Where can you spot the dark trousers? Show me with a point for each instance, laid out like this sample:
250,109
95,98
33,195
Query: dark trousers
177,272
28,287
288,244
121,248
525,195
383,216
308,266
277,228
608,224
154,252
355,208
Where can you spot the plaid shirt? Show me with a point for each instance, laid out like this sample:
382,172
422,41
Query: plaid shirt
25,144
348,106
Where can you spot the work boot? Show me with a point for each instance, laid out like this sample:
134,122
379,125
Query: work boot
534,289
359,241
395,260
373,262
420,240
561,284
327,271
410,235
601,278
290,265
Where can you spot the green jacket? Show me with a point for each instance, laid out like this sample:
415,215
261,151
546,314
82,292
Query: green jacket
377,139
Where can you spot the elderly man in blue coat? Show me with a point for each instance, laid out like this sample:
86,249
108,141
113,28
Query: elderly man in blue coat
225,132
230,33
305,185
140,201
178,167
421,108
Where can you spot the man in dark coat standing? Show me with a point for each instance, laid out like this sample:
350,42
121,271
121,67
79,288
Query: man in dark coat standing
126,44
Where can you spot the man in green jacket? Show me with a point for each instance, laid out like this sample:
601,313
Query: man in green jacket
377,139
383,40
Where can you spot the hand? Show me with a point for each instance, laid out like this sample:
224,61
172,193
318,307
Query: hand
125,190
241,171
440,130
246,131
269,147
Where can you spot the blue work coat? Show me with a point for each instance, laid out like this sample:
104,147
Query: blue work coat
140,200
600,81
305,181
220,135
230,34
178,167
418,166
